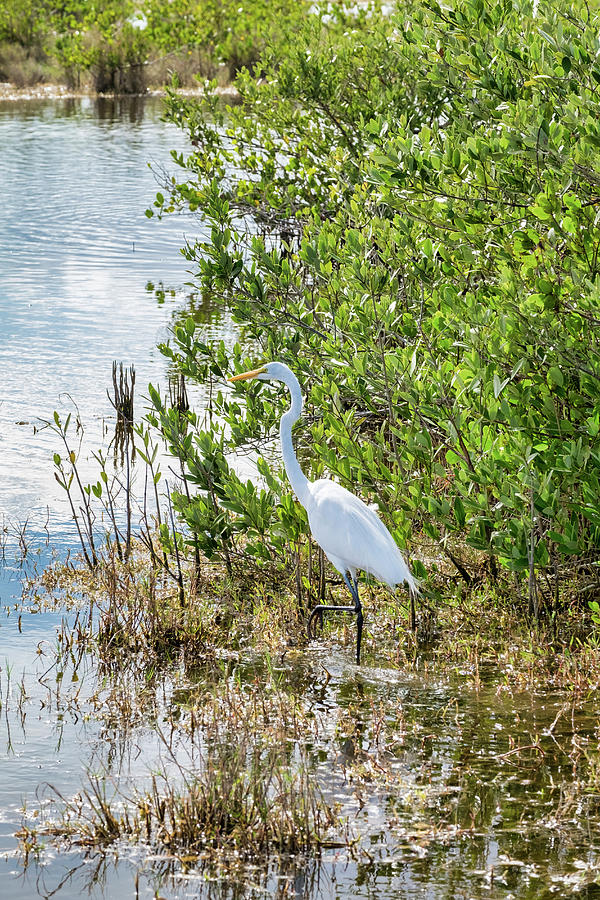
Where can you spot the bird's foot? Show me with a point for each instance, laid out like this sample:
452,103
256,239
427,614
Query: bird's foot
318,612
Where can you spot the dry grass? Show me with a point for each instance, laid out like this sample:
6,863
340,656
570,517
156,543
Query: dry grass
135,611
24,67
245,798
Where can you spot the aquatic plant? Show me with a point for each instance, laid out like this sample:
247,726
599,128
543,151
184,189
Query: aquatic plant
263,751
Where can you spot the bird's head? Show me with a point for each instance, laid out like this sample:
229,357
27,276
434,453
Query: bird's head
274,370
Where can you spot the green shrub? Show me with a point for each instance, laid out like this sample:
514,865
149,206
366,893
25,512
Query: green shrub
120,45
22,23
428,183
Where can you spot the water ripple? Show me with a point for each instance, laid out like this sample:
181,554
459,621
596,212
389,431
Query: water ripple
77,253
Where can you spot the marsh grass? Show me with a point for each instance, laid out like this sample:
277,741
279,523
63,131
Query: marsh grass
135,611
245,797
247,787
271,746
25,67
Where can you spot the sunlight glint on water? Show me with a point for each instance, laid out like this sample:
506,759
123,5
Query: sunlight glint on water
78,262
77,255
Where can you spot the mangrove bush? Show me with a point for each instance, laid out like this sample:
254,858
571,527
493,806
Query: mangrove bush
124,46
404,208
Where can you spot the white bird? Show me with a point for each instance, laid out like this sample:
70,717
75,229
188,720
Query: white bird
350,533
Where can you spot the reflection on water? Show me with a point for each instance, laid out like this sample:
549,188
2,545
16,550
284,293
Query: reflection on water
437,803
85,277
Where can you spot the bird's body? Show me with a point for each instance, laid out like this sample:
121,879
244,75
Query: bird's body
351,534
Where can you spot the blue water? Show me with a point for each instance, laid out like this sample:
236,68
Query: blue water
85,278
82,273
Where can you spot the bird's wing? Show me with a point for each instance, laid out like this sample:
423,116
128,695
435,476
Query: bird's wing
350,531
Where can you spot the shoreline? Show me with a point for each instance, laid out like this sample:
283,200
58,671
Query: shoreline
10,92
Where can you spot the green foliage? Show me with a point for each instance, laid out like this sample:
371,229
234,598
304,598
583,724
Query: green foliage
22,22
114,41
215,504
429,183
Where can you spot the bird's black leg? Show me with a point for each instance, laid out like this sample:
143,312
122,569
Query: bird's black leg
359,627
319,610
359,617
356,609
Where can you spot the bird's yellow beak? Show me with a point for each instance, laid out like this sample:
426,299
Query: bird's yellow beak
252,374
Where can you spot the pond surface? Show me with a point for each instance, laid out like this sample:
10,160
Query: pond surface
450,787
85,279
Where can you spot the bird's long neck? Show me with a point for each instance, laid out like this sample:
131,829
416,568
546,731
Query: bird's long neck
296,476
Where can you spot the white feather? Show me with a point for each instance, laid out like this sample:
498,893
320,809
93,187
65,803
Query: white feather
353,536
351,533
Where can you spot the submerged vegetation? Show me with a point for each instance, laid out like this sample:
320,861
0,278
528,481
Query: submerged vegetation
259,747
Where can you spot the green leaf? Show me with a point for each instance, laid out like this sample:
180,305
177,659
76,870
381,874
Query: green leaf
555,377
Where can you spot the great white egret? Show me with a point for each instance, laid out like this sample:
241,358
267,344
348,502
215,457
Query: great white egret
351,533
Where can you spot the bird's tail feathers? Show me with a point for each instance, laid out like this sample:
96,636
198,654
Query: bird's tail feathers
414,585
403,575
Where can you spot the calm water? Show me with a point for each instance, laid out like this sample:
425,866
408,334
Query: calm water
85,279
78,259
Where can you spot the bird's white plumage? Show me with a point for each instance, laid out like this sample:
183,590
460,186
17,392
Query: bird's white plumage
351,533
353,536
